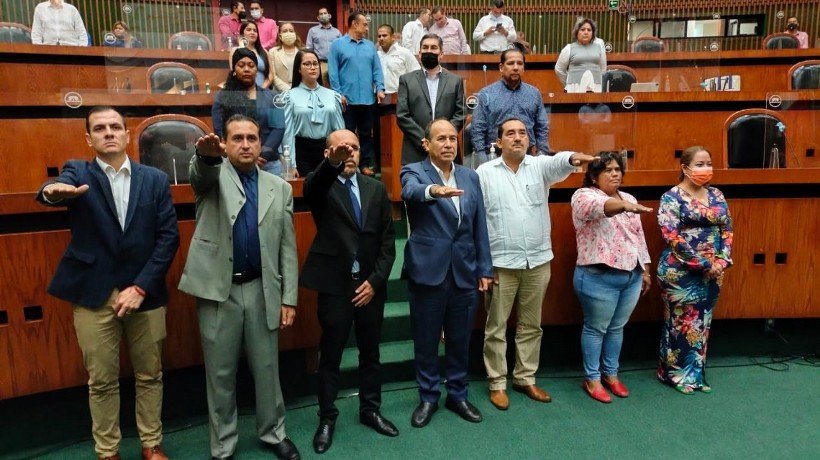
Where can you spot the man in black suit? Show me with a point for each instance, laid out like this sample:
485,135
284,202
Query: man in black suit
348,264
422,91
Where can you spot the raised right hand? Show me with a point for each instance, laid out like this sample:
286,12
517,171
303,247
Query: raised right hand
59,191
440,191
209,145
636,208
339,153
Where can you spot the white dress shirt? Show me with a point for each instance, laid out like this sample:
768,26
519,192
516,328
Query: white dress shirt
495,42
411,35
58,25
451,182
432,77
518,219
120,186
396,62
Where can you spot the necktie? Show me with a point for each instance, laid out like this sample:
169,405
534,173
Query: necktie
357,209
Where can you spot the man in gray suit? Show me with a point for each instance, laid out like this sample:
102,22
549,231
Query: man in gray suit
425,95
242,269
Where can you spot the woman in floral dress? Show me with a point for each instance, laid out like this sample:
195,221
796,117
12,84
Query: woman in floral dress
696,225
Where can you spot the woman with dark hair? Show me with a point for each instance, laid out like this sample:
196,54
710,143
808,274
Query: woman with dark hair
122,37
311,114
696,225
582,62
242,95
282,56
612,270
249,33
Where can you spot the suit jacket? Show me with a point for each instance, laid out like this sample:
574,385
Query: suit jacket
437,241
102,255
414,112
338,236
219,197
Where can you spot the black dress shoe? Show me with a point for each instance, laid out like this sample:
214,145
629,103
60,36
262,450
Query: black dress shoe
464,410
285,450
323,437
380,424
423,413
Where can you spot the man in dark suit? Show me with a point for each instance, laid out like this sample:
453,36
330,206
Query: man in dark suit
348,264
446,261
422,91
123,238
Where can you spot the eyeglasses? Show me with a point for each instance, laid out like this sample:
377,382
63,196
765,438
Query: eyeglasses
310,64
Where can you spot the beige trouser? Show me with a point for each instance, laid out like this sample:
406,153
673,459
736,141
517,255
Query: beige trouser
99,332
526,288
325,76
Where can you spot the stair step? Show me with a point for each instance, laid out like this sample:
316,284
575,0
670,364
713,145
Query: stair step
396,324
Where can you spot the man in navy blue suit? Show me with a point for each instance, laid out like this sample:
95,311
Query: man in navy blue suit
123,239
446,262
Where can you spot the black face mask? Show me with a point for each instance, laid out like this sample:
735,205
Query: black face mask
429,60
242,15
792,26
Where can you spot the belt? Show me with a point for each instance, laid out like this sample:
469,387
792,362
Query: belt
244,277
355,276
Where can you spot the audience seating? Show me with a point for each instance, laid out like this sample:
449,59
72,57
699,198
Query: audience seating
189,40
618,79
805,75
780,40
172,78
754,139
12,32
648,45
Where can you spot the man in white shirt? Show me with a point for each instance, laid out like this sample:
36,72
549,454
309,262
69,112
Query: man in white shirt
396,60
515,188
413,31
58,23
495,32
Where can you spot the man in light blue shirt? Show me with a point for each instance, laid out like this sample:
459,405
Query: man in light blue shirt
356,73
320,37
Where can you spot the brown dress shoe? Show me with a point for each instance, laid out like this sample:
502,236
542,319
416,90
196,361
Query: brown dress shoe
153,453
533,392
500,399
112,457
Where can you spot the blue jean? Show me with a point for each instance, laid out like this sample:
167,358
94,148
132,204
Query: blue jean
607,298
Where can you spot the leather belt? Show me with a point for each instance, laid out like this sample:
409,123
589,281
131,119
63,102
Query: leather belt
244,277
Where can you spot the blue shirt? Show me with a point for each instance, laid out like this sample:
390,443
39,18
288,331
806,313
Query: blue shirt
498,102
247,257
312,113
355,70
319,39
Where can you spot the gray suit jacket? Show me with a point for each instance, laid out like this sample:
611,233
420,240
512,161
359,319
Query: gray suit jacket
414,112
219,197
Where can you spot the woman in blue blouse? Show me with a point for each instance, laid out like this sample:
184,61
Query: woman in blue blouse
696,225
312,112
121,37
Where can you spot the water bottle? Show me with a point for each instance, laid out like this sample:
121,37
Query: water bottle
207,88
287,170
491,156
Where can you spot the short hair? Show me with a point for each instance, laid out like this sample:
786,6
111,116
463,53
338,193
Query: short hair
434,121
352,18
598,165
498,3
431,36
98,109
422,10
580,24
511,50
235,4
258,2
506,120
437,9
237,118
386,26
689,154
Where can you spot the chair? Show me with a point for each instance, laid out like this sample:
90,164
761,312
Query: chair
190,41
172,78
648,45
754,138
618,79
805,75
167,142
12,32
780,40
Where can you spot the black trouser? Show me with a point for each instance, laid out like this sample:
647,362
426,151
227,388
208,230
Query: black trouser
336,315
359,119
309,153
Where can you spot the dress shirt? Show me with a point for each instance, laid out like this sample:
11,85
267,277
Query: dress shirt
495,42
58,25
355,189
268,30
120,186
498,102
802,39
451,182
354,69
432,77
247,255
518,219
411,35
453,36
319,39
616,241
312,113
229,27
396,62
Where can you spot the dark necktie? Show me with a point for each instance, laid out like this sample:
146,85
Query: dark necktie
357,209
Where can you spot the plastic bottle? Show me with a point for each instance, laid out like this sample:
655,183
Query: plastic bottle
491,155
287,169
207,88
667,86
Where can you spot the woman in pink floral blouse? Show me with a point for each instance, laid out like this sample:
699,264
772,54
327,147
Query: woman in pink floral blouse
696,225
611,272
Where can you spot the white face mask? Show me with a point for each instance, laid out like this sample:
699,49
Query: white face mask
256,14
288,38
324,18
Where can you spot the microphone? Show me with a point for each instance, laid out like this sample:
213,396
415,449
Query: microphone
484,69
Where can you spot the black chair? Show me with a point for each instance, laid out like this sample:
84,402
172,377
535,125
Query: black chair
172,78
756,140
168,142
11,32
805,75
648,45
618,79
779,41
189,41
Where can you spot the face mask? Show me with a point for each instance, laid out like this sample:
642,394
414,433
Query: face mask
700,176
324,18
256,14
792,26
288,38
242,15
429,60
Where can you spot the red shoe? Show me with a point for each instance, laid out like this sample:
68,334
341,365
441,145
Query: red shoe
617,388
599,394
